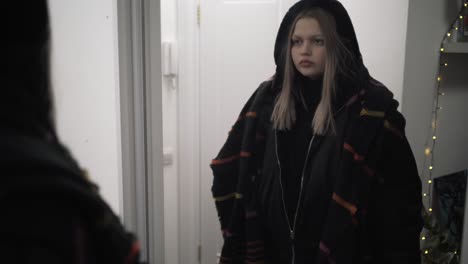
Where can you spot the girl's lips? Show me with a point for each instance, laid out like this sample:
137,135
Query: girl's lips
306,63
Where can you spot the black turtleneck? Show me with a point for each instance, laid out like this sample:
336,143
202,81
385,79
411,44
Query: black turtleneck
295,142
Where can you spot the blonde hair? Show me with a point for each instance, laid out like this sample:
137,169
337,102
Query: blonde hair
284,112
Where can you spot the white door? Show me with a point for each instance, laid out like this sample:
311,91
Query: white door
236,54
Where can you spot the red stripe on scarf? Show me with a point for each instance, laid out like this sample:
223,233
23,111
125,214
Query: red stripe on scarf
350,149
131,258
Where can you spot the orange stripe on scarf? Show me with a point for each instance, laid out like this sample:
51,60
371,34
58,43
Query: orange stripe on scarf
349,206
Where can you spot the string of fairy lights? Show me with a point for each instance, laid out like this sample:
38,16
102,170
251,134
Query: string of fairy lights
430,146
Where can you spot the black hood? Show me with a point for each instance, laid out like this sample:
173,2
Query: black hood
26,97
344,28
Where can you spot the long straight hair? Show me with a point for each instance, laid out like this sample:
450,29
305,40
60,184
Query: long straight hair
284,112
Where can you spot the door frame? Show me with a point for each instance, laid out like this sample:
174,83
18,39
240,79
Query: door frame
139,78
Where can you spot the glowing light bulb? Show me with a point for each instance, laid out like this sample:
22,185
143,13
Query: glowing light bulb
430,209
429,181
427,151
423,238
434,137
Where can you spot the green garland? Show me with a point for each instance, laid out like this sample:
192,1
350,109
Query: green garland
436,246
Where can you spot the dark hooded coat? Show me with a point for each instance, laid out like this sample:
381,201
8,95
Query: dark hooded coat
361,195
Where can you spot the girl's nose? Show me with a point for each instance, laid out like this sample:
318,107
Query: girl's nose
306,48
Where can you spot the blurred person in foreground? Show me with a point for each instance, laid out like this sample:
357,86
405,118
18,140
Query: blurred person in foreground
50,212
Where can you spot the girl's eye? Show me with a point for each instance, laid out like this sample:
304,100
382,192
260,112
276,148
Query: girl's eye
296,41
319,42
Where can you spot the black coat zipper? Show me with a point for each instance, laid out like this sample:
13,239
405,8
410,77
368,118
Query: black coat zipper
292,229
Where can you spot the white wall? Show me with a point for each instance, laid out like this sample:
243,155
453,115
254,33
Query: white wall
381,31
189,139
451,153
85,81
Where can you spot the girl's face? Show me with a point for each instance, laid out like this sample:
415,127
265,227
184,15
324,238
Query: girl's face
308,48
